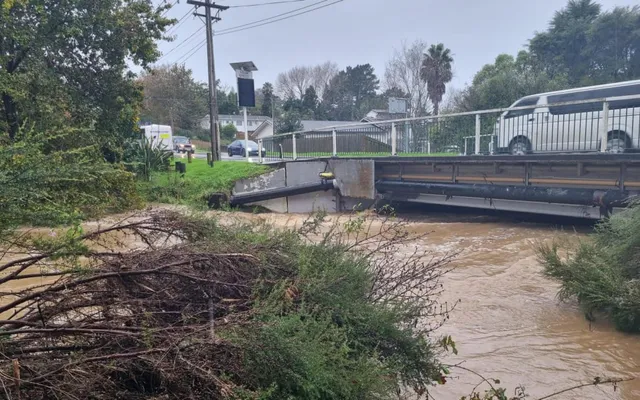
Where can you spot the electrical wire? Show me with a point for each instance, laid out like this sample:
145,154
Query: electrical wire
181,20
267,4
191,52
235,30
265,21
274,16
169,8
181,43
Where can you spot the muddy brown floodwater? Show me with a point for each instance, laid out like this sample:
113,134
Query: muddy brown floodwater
510,325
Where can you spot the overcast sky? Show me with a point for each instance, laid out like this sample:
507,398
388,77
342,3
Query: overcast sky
355,32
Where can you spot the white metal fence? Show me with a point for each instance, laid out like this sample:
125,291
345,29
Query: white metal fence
597,125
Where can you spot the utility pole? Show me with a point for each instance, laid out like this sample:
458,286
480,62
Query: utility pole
213,93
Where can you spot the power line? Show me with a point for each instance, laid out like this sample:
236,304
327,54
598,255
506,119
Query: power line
267,4
181,20
181,43
191,52
275,16
235,30
169,8
265,21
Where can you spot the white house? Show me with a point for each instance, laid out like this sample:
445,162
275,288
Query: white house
253,122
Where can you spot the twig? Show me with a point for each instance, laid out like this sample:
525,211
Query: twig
596,382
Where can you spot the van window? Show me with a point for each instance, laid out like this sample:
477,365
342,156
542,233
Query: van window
527,101
595,94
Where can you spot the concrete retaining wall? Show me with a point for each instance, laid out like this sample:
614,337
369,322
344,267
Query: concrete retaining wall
355,179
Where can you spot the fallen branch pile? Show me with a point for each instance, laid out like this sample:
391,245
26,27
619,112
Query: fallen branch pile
148,309
128,322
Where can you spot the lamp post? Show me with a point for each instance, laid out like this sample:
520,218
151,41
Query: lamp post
246,95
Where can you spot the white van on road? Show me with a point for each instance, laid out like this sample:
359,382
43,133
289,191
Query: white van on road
160,135
554,127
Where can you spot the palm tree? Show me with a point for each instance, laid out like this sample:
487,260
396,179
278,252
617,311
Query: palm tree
436,71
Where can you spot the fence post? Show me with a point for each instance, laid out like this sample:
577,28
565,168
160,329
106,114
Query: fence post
260,151
428,146
334,137
477,149
465,146
604,128
394,139
295,152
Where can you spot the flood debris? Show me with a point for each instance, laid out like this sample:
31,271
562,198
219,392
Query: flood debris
168,307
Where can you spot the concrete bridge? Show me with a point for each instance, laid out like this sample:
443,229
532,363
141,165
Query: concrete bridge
591,185
579,158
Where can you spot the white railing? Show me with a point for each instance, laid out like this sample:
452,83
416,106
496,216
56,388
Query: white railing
448,132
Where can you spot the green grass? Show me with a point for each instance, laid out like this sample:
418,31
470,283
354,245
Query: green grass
198,183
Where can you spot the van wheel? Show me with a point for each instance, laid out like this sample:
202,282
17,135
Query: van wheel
617,145
519,146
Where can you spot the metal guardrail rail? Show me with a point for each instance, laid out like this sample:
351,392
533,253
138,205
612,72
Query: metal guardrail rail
609,124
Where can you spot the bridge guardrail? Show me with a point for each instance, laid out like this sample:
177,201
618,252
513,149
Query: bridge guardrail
597,125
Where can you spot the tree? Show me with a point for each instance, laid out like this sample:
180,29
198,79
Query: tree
500,84
350,94
310,101
267,100
228,132
172,96
294,83
436,72
564,48
614,39
404,74
67,63
289,121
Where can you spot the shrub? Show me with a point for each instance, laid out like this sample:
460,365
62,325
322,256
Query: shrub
143,157
603,274
242,311
42,184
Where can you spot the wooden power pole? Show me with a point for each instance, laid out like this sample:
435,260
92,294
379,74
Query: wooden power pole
213,93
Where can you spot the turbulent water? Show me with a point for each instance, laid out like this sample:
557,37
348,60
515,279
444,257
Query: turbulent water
509,324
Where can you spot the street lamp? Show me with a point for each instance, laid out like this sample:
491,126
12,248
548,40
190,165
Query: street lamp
246,94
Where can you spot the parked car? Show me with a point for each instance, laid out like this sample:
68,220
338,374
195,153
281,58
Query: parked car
182,144
237,148
549,124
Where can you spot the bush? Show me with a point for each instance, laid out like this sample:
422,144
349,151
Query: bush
603,274
242,311
40,184
143,158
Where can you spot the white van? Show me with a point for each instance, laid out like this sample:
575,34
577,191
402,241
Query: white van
160,135
553,127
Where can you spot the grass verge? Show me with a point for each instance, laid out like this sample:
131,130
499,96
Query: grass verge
200,181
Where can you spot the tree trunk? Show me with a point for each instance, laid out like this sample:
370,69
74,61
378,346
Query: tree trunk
436,108
11,115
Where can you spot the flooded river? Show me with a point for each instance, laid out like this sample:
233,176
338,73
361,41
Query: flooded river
509,324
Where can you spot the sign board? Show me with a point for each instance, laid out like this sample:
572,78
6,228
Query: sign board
244,74
246,93
397,105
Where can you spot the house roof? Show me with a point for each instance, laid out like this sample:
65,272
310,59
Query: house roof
260,127
309,125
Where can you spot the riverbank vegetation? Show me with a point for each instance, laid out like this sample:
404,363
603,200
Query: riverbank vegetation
603,274
200,180
201,310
